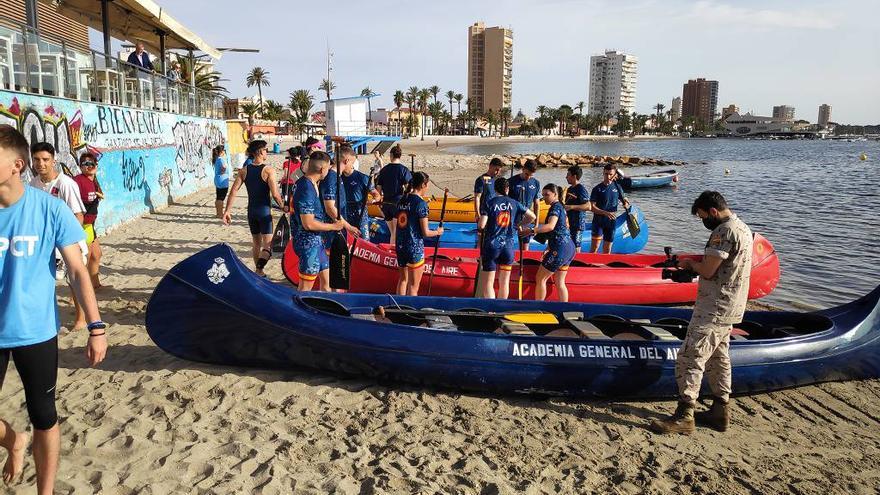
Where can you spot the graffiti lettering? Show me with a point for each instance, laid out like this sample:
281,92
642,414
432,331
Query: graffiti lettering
134,172
49,127
114,120
194,143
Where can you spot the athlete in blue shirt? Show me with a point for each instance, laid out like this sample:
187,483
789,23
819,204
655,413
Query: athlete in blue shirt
259,180
336,202
221,178
604,199
32,225
308,223
359,191
483,186
412,228
577,204
526,189
391,182
499,225
560,248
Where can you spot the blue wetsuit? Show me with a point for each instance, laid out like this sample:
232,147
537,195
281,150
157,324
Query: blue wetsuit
577,220
605,198
357,188
409,243
499,235
484,185
393,179
259,213
308,245
560,248
327,188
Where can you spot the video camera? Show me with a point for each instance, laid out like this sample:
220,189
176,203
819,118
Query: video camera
678,275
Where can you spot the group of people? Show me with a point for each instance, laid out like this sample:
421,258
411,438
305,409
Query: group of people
506,210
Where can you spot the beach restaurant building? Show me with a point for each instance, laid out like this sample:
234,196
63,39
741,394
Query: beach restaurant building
153,134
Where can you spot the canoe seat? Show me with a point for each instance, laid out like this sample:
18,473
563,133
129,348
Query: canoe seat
514,328
563,332
587,330
324,304
440,322
660,333
364,316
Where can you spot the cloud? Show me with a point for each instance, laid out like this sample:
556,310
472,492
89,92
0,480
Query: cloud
711,11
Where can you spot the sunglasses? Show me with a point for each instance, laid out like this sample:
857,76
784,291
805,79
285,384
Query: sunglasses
89,164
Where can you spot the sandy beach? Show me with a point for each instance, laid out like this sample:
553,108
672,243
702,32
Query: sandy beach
148,423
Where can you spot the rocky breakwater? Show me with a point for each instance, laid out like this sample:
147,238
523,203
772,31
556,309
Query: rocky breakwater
567,160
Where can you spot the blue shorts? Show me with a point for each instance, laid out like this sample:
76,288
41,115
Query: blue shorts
389,211
412,257
497,257
603,227
312,257
577,237
558,255
260,221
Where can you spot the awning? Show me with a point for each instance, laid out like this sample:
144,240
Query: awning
135,20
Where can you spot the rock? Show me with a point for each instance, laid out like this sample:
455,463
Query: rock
582,160
634,160
555,156
544,159
567,161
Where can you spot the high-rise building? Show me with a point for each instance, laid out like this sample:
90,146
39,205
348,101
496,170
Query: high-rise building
676,109
783,112
728,111
700,99
490,67
612,83
824,114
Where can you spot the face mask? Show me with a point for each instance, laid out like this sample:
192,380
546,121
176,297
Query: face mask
711,222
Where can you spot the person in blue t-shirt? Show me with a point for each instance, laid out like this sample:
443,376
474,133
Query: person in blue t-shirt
577,204
391,182
33,224
359,191
221,177
483,186
604,198
336,202
309,221
412,228
499,223
560,248
524,188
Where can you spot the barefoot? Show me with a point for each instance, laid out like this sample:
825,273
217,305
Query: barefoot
78,326
15,460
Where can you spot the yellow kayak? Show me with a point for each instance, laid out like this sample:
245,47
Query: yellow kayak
457,209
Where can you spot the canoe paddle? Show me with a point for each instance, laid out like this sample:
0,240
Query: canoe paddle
437,245
522,241
526,318
339,256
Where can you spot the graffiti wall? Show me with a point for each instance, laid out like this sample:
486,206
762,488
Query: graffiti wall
145,158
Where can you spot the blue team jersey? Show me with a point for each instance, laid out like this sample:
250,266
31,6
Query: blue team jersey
305,201
560,231
576,196
329,192
484,185
357,187
605,197
393,178
503,214
410,211
526,191
30,231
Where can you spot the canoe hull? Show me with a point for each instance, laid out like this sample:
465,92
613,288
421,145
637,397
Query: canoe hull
457,210
242,320
656,179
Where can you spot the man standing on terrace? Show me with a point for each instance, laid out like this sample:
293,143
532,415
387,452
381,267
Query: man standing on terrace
140,58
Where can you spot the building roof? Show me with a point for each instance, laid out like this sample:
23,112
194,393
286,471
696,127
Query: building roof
350,98
136,20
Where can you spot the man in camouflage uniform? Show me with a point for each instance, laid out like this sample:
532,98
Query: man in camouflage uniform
721,301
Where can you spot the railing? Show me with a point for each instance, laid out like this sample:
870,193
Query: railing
32,62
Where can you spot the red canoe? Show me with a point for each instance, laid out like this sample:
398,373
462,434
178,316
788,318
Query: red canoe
597,278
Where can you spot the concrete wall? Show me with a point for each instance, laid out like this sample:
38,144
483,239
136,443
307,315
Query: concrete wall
145,158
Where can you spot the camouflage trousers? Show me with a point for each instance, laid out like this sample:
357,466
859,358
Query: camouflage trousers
706,349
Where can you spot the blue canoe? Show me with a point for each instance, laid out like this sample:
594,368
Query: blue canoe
210,308
464,235
654,179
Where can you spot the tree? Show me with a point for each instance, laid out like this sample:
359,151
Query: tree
450,95
491,120
368,94
251,110
205,79
424,95
458,98
301,102
435,90
563,113
327,87
659,108
398,102
435,109
505,114
412,96
580,106
272,110
258,76
623,122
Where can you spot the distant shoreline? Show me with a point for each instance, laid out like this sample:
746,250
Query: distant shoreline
429,146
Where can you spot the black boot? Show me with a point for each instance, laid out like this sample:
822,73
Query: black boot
716,417
681,421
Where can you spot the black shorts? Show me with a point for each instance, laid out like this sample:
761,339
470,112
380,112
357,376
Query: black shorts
37,365
389,211
221,193
260,222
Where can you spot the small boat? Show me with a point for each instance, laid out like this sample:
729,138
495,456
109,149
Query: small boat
464,235
457,209
597,278
210,308
654,179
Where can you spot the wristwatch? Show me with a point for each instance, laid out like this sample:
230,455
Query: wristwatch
97,325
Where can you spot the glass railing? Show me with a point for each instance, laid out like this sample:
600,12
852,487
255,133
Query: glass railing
32,62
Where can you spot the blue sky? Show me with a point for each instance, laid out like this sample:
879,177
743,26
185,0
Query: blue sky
763,53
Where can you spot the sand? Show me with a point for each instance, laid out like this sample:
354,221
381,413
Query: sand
146,422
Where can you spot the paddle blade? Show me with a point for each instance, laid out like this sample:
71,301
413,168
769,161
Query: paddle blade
340,260
281,235
532,318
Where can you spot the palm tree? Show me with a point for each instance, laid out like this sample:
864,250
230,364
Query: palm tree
564,113
272,110
398,102
368,94
458,98
450,95
301,102
580,106
435,90
435,109
327,86
424,95
258,76
505,114
205,79
412,96
251,110
491,120
660,108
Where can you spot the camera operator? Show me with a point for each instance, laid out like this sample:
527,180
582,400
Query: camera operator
721,301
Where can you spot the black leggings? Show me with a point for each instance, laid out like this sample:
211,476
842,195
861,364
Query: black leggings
37,365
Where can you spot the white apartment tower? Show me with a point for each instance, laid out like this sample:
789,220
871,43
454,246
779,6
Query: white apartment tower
676,109
824,115
612,83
